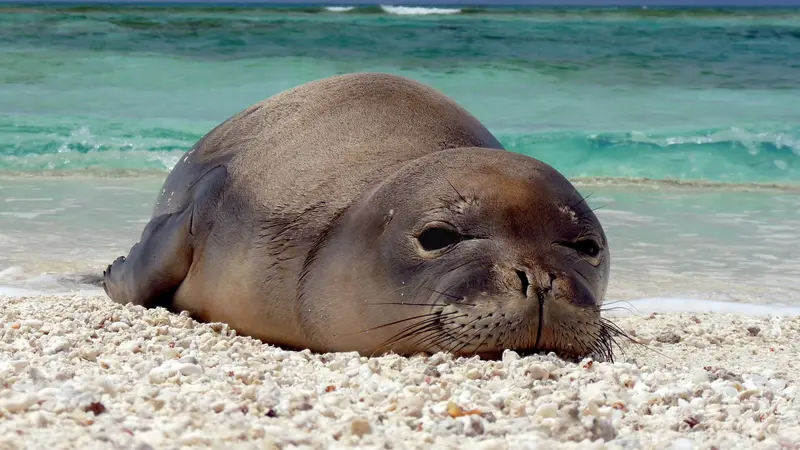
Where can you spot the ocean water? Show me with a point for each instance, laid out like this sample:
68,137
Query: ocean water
684,124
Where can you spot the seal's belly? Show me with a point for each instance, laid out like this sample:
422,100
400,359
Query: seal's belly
221,288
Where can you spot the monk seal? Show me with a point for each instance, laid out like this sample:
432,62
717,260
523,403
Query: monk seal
369,212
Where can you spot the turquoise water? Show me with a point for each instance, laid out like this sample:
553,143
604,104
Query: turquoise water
705,99
668,94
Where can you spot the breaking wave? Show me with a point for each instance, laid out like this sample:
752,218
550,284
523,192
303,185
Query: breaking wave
418,10
339,9
733,155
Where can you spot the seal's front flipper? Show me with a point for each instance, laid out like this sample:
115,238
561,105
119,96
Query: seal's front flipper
156,265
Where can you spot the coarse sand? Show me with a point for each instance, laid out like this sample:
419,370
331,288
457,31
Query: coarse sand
84,373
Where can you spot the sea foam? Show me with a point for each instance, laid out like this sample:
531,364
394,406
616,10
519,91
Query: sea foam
689,305
417,10
339,8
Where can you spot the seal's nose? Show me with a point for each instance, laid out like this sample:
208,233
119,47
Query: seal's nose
536,281
523,278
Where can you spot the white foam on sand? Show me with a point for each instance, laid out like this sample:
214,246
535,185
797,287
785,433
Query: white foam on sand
15,281
42,285
690,305
8,291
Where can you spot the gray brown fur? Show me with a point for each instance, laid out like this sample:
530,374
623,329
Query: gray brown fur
295,221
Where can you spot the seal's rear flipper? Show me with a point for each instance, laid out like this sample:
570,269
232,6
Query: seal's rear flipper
156,265
91,279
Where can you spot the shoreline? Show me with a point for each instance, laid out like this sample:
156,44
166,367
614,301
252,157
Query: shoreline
759,186
622,307
81,371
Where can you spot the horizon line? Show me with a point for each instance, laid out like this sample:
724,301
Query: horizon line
434,3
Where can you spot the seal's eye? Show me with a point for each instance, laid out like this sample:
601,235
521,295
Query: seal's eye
437,238
588,247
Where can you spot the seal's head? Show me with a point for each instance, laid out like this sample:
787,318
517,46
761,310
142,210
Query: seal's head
471,251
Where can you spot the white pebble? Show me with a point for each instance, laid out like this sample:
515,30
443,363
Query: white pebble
473,425
682,444
170,352
90,353
699,375
474,374
547,410
195,438
493,444
411,406
166,370
40,419
510,356
117,327
537,372
190,369
498,400
107,385
18,364
776,384
134,346
56,345
33,324
18,402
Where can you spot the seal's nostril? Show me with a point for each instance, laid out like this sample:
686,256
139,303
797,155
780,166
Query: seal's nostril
523,278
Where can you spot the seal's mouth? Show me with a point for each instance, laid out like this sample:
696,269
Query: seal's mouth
487,330
551,325
600,349
472,319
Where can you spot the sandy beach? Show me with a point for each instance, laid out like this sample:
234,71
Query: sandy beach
676,125
82,372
